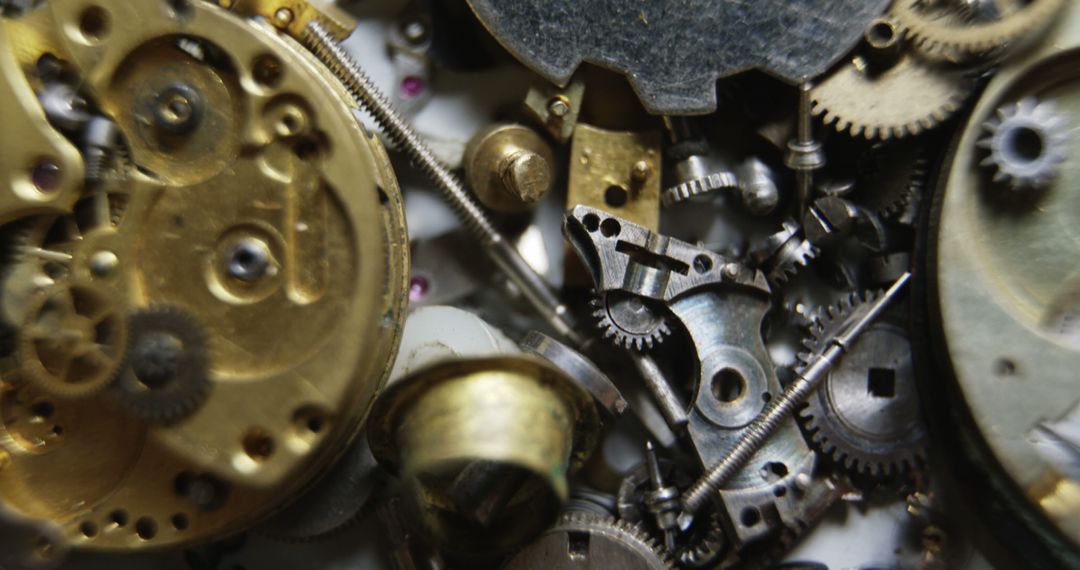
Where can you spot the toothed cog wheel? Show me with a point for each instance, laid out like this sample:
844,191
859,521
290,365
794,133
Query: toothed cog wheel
630,321
167,374
865,415
784,253
891,177
939,28
583,541
906,99
1027,142
73,341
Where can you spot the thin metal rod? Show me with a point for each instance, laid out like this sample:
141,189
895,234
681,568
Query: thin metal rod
535,289
780,409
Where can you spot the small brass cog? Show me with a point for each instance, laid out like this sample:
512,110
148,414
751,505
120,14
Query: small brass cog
908,98
73,341
936,29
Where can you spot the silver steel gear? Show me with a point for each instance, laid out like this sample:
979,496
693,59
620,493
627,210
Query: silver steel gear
866,414
784,253
629,321
1027,142
583,541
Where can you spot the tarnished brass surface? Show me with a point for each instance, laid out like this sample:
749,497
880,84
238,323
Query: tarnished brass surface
293,16
510,167
297,352
506,419
1008,281
30,145
615,171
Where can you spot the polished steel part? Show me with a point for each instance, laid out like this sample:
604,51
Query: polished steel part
866,415
781,408
579,368
215,131
673,57
372,100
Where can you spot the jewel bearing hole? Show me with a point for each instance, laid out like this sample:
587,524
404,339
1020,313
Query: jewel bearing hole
728,385
94,24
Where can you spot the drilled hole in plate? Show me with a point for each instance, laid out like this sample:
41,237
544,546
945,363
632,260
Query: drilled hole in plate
610,227
881,382
1026,144
180,521
267,70
88,529
118,518
728,385
146,528
749,516
94,23
591,222
616,196
258,444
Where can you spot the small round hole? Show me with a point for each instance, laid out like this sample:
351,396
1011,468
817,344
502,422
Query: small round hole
1005,367
258,444
616,196
267,70
780,492
88,529
591,221
58,430
94,23
1027,144
881,34
728,385
610,227
179,521
749,516
43,410
146,528
118,518
702,264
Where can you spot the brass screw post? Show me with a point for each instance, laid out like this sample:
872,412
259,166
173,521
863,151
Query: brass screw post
372,100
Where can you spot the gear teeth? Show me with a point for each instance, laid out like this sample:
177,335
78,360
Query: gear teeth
584,522
622,338
1032,116
825,322
938,34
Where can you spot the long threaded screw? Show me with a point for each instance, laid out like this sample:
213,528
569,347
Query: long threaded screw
780,409
502,253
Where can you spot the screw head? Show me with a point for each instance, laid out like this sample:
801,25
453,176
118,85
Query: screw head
283,17
559,107
640,172
527,176
178,108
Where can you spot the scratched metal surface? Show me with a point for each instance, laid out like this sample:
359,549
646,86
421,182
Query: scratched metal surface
672,51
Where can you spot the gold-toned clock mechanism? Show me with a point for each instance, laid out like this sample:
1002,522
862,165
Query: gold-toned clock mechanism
206,270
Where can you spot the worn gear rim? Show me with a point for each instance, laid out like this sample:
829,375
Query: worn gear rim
628,535
1002,130
827,426
181,395
934,35
106,320
880,106
893,176
647,334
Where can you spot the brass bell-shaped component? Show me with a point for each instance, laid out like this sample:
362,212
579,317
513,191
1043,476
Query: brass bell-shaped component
483,447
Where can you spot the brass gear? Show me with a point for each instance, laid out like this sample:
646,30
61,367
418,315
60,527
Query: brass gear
908,98
73,341
935,30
